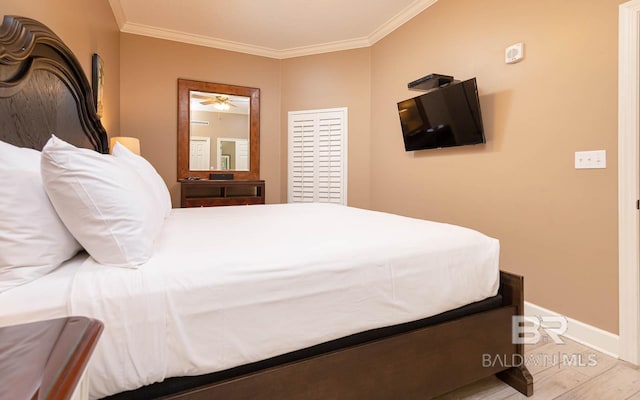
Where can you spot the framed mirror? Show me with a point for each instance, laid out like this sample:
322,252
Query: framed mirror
218,130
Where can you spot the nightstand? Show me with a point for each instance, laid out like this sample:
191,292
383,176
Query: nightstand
206,193
48,359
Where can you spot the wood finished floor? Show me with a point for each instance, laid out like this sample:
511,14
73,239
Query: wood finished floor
593,376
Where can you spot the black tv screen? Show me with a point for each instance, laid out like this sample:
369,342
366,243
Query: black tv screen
443,117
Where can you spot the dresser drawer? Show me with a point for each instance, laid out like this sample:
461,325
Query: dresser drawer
206,193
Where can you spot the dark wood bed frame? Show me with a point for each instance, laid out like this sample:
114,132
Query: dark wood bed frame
43,90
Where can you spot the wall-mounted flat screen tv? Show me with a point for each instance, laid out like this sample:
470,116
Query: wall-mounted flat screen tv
443,117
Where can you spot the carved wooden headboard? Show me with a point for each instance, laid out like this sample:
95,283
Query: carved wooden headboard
43,90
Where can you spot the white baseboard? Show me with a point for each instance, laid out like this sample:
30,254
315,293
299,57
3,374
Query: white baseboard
596,338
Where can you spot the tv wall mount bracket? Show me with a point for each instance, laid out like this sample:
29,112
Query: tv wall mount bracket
431,81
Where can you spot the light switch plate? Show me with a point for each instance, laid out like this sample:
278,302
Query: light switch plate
591,159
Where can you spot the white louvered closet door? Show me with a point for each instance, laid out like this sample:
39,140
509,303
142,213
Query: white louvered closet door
318,156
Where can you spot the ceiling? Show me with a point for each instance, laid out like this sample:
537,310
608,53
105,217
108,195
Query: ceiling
270,28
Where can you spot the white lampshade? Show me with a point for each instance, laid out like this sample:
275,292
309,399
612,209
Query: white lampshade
130,143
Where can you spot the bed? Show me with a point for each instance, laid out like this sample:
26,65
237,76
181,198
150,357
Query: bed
407,311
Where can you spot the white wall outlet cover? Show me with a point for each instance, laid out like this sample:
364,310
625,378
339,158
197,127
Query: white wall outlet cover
514,53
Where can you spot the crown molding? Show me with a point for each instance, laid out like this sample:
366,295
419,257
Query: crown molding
399,19
118,13
323,48
200,40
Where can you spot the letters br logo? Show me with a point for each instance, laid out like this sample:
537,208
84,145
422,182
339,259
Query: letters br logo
528,330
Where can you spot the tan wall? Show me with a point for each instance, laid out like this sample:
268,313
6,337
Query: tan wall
86,27
557,225
340,79
150,69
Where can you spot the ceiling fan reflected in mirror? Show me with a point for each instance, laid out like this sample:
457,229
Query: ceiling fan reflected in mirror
219,102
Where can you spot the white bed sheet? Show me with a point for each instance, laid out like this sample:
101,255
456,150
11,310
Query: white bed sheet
232,285
44,298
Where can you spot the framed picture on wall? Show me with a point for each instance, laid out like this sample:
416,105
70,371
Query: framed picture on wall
97,83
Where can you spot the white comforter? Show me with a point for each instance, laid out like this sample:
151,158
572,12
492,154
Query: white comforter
231,285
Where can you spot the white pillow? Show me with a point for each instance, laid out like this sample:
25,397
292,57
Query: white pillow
33,239
103,202
154,181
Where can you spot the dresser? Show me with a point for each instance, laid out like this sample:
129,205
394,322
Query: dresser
47,359
208,193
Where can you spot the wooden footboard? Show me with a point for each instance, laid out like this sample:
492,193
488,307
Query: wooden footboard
512,290
419,364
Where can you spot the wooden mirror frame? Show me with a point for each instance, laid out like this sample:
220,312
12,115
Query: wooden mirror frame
184,87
